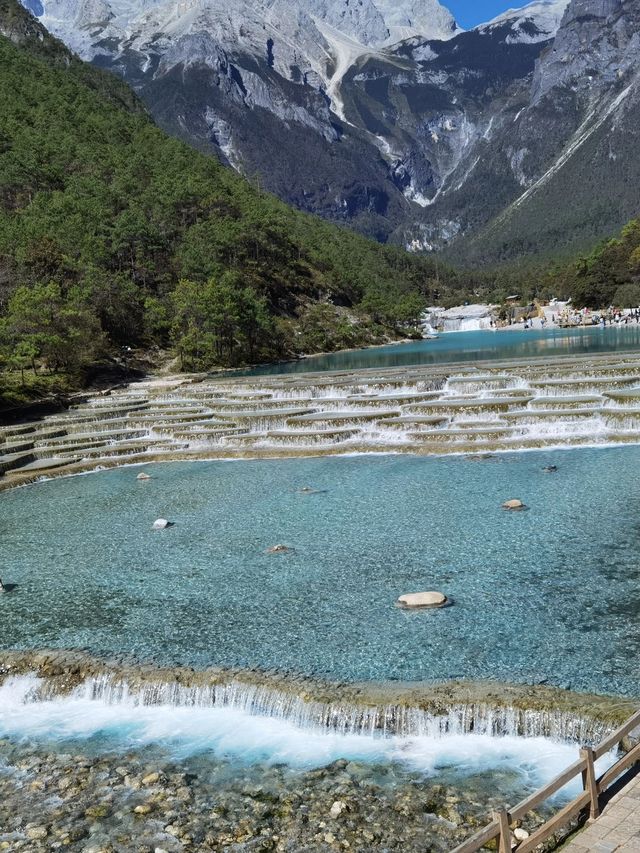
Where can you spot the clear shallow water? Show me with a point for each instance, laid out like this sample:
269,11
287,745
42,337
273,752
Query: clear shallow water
548,594
468,346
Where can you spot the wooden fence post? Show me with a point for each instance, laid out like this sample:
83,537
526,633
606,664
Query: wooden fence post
502,816
590,783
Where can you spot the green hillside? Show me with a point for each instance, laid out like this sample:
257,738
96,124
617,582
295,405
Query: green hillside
113,234
608,275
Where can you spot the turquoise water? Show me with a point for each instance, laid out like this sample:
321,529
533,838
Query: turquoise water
469,346
548,594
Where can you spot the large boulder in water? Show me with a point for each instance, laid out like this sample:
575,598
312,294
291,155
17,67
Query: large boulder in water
514,505
162,524
420,600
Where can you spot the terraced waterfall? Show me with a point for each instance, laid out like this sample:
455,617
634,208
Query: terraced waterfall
285,693
502,406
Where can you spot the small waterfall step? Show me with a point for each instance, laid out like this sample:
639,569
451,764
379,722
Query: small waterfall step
11,461
49,464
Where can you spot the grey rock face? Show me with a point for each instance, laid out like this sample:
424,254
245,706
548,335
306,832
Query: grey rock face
586,94
595,47
361,21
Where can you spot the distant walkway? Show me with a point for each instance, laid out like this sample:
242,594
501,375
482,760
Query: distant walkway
617,828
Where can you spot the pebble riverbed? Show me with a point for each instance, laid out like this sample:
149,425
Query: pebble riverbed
142,802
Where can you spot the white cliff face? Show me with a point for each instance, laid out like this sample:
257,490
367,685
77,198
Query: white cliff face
425,18
536,22
383,22
309,41
245,24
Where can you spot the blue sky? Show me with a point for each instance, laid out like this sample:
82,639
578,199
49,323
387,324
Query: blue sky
468,13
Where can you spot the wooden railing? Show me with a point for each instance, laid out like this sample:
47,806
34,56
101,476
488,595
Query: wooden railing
593,788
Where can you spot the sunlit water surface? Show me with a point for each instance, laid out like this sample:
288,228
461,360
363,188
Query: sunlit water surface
470,346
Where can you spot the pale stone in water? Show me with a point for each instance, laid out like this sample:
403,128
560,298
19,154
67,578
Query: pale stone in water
37,833
143,476
161,524
336,809
277,549
422,599
513,504
520,834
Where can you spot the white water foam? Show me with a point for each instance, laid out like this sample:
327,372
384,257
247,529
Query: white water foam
236,734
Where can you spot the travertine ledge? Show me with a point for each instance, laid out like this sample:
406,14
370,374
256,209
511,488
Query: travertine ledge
432,410
392,707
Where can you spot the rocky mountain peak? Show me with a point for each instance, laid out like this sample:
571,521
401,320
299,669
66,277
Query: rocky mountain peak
538,21
596,45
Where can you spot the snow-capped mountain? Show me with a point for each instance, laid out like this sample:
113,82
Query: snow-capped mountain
312,40
539,21
382,113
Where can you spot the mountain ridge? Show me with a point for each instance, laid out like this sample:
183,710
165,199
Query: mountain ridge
431,143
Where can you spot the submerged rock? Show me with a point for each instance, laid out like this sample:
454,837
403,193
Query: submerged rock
162,524
143,476
278,549
37,833
336,809
418,600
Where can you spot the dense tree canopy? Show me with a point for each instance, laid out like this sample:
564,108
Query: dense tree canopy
140,240
610,275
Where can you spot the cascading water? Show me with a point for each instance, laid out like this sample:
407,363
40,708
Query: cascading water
388,720
464,318
522,602
468,325
250,723
530,405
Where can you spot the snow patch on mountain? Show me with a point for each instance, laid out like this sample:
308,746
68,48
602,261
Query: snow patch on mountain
536,22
